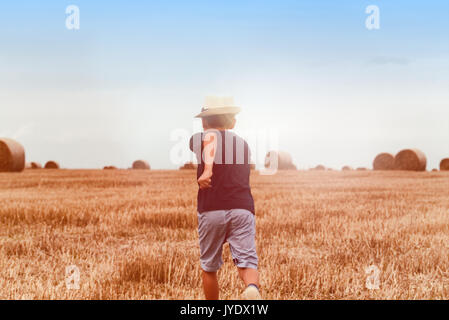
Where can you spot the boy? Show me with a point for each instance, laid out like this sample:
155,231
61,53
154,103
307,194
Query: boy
225,204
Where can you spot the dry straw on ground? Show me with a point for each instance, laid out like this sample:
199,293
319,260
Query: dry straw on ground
444,164
410,160
141,165
12,156
133,235
284,160
51,165
383,161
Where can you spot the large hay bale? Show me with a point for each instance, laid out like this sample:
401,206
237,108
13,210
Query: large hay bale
411,160
444,164
51,165
12,156
189,166
383,161
36,165
346,168
284,160
141,165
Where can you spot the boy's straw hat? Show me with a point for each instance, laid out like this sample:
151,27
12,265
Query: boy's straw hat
218,105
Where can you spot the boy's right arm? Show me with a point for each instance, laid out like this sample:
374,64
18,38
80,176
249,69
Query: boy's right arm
208,156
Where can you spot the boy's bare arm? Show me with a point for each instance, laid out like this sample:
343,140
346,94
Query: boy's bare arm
210,146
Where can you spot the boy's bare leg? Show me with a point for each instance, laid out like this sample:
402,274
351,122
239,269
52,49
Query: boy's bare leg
210,285
249,276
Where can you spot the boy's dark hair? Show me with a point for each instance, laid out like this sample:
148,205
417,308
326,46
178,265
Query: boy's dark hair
225,121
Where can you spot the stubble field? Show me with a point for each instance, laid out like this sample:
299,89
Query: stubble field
133,235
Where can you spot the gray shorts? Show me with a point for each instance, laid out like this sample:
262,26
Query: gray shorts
235,226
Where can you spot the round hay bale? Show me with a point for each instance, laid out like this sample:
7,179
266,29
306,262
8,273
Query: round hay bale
320,167
383,161
12,156
444,164
361,169
110,168
141,165
411,160
346,168
189,166
284,160
36,165
51,165
434,170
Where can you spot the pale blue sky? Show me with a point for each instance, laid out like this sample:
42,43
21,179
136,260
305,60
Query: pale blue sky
116,89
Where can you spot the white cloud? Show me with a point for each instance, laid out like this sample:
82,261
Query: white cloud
23,131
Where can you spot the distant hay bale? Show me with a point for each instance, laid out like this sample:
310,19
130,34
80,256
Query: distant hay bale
346,168
320,167
411,160
361,169
284,160
189,166
141,165
110,168
35,165
434,170
383,161
444,164
51,165
12,156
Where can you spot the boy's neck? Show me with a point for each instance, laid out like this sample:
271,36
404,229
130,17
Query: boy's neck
219,129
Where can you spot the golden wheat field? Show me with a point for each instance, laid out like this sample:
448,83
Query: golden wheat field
133,235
